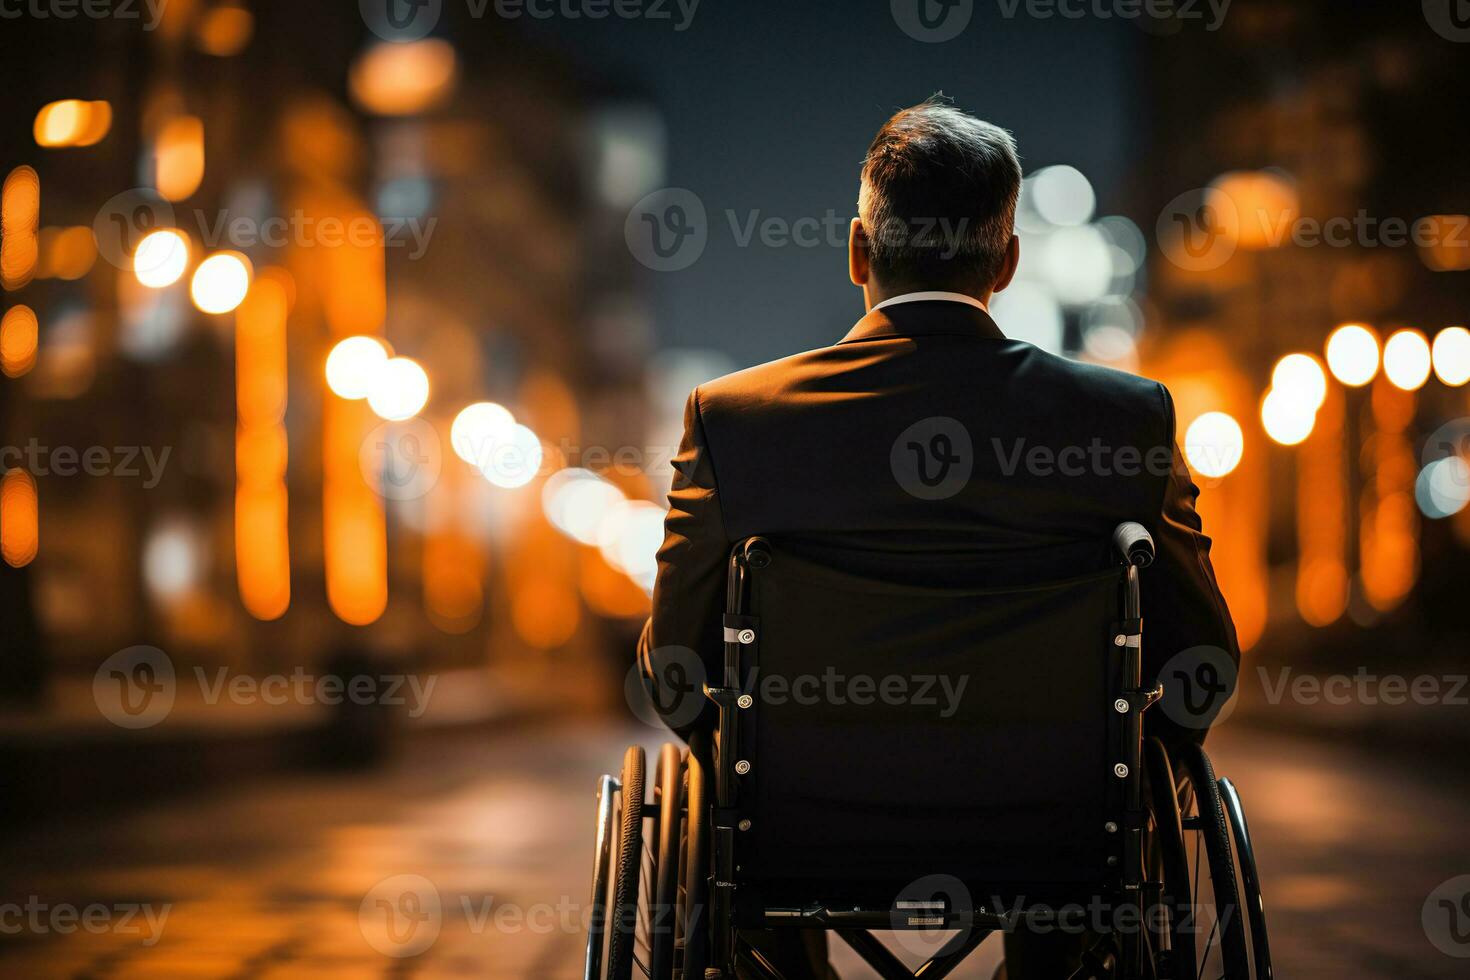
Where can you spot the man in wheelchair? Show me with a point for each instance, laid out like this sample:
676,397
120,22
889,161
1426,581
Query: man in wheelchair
925,498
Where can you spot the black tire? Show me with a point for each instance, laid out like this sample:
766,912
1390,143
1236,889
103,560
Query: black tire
1250,882
692,923
1213,828
627,862
1169,865
662,888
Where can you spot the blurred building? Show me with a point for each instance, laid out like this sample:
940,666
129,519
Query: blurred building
1320,188
458,196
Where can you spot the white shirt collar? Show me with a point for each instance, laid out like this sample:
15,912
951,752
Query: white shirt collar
930,295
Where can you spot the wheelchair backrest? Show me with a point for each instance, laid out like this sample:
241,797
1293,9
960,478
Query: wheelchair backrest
896,731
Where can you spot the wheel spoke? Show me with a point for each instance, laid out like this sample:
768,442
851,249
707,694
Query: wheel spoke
1209,944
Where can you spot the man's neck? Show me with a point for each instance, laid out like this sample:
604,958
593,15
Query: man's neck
875,293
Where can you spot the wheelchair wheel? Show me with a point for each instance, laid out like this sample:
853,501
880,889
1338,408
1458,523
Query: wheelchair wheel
1223,952
1168,864
627,862
691,928
660,893
1250,882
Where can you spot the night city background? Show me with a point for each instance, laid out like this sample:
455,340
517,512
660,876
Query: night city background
351,341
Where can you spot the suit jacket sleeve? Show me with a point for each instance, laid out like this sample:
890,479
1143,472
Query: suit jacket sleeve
681,645
1183,609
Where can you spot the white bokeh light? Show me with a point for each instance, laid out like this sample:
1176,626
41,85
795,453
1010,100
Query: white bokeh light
629,537
1443,487
1352,354
1452,356
1286,417
1214,444
353,366
400,389
1300,378
1407,360
513,458
1028,311
1062,196
161,258
476,428
221,282
576,500
1077,264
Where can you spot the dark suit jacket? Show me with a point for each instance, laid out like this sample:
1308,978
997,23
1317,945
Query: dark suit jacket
856,453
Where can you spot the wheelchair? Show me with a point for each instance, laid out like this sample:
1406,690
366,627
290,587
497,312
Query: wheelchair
1037,796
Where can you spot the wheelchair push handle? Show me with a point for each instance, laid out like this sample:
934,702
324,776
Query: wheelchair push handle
1134,544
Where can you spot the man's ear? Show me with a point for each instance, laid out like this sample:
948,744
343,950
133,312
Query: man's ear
1008,267
858,269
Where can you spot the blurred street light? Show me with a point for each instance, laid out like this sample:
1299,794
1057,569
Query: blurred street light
513,458
1300,377
1214,444
221,282
1286,418
629,537
72,122
19,333
1062,195
396,79
1452,356
576,500
400,388
476,429
353,366
1443,487
178,153
1406,360
1352,354
161,258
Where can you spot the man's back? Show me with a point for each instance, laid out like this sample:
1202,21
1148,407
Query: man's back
926,447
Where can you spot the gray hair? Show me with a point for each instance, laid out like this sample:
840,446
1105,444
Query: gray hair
938,197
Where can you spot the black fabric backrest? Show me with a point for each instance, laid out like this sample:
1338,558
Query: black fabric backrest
901,731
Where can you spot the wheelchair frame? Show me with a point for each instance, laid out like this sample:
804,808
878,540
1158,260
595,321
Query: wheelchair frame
1122,955
1127,818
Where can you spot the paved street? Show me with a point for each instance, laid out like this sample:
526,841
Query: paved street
295,878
